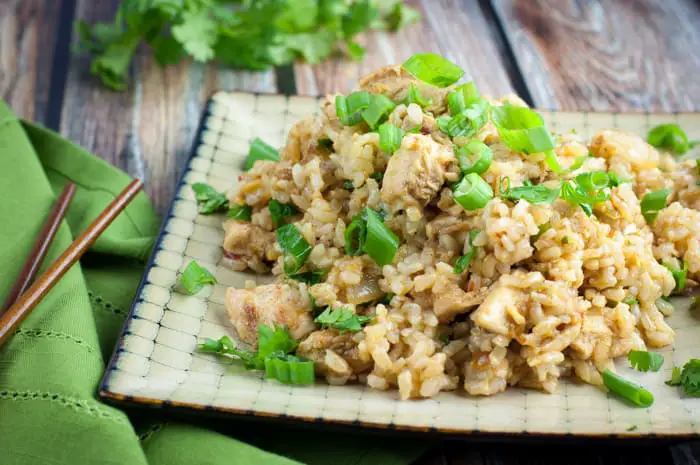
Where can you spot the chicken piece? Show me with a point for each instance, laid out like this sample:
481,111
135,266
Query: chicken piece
415,173
249,241
496,311
395,82
452,300
318,343
270,304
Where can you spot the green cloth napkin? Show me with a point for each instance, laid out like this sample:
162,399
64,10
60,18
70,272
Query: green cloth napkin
50,369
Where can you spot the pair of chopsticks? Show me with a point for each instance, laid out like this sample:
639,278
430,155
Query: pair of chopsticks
24,295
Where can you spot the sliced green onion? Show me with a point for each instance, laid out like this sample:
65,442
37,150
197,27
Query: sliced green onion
653,202
443,123
550,159
641,360
279,211
367,233
474,157
522,129
296,249
575,195
593,180
463,262
378,109
349,109
381,243
669,136
468,122
414,96
615,180
259,150
533,194
355,235
469,91
433,69
578,163
390,138
472,192
680,276
290,369
627,389
209,200
240,212
459,99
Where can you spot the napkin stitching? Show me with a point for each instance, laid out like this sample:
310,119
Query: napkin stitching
91,408
105,305
41,333
98,189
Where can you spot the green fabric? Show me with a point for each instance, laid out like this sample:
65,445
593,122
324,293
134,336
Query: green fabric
50,369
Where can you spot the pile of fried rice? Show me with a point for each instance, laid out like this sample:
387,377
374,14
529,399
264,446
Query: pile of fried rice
551,292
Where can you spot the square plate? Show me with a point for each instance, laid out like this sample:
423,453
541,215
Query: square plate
156,363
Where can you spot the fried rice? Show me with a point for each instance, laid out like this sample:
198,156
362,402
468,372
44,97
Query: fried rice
550,292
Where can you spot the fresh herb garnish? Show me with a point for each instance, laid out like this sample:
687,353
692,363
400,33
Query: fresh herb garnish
296,249
631,301
208,199
653,202
279,211
390,137
194,277
253,35
273,355
671,137
378,110
414,96
367,233
310,277
533,194
474,157
675,377
260,150
240,212
461,97
326,143
468,122
377,176
687,378
679,276
463,262
521,129
433,69
642,360
342,319
472,192
348,185
349,109
627,389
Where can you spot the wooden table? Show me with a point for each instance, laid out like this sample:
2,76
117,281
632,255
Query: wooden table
639,55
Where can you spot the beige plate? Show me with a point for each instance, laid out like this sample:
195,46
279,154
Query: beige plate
156,361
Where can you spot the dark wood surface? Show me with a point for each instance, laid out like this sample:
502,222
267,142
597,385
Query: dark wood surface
638,55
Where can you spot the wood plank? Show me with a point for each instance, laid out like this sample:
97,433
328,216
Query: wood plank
605,54
27,41
148,129
456,29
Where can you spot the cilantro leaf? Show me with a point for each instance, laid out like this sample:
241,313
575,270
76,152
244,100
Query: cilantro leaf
209,200
279,211
197,34
225,346
342,319
690,378
194,277
274,341
641,360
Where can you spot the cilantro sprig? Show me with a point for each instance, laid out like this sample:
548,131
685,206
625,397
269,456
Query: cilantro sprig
342,319
209,199
688,378
253,35
641,360
194,277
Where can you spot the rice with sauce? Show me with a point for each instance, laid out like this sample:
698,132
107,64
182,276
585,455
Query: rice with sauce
550,292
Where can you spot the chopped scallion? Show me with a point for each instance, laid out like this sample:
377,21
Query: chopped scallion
289,369
627,389
680,276
653,202
433,69
279,211
671,137
522,129
259,150
378,109
472,192
381,243
390,138
414,96
349,109
474,157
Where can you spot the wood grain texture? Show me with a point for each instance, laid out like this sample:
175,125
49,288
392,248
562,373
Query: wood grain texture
148,129
27,31
456,29
605,54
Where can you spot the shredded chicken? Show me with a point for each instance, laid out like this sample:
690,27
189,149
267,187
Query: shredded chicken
280,304
315,346
249,240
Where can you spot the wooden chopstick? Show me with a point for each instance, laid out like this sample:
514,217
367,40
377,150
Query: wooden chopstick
38,253
26,303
